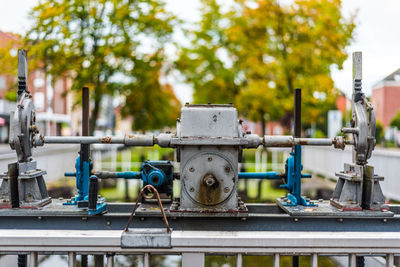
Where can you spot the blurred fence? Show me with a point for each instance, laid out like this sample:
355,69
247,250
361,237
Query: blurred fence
325,161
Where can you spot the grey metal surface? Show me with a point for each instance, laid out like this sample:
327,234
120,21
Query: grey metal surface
193,259
324,208
146,238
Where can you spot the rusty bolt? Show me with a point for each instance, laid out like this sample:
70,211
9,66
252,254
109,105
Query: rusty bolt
209,180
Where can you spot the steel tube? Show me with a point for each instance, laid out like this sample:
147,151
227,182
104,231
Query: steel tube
276,260
239,260
110,260
260,175
314,260
289,141
128,140
33,259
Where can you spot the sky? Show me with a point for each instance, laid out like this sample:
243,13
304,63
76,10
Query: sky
377,35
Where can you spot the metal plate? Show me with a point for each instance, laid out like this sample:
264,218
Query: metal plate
324,208
208,164
146,238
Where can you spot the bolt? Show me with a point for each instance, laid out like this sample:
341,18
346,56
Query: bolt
209,180
108,223
209,159
191,169
84,218
295,219
226,189
384,220
40,217
340,220
227,169
142,218
192,189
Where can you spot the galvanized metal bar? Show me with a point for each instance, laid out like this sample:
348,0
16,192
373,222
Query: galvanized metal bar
390,260
33,259
239,260
352,260
193,260
276,260
314,260
110,260
146,260
71,259
98,260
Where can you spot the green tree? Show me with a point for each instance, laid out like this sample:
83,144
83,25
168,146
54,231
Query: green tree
266,49
396,121
109,46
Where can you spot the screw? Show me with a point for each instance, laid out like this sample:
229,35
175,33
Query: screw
226,189
192,189
191,169
108,223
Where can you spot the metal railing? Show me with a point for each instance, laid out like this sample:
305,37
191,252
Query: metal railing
194,245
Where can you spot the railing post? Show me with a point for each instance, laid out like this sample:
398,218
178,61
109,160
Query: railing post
146,260
33,259
98,261
352,260
390,260
110,260
314,260
71,259
239,260
192,259
276,260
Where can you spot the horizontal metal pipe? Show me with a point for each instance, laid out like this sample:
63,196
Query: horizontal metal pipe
289,141
110,175
260,175
128,140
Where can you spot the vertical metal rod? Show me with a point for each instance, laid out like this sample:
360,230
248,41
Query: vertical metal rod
110,260
297,112
295,261
276,260
84,260
146,260
352,260
98,261
390,260
33,259
13,184
71,259
314,260
239,260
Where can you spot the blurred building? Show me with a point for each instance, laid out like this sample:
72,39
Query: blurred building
52,107
386,98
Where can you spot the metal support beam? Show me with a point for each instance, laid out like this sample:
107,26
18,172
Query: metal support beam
314,260
33,259
71,259
239,260
193,260
98,260
390,260
352,260
276,260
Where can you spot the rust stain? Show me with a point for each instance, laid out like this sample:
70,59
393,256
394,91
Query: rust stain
209,195
106,140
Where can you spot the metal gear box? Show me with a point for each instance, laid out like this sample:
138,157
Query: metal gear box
208,152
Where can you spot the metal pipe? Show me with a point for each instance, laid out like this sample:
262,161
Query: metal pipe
33,259
71,259
110,175
128,140
239,260
260,175
289,141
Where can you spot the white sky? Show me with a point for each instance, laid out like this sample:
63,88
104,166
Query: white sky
377,36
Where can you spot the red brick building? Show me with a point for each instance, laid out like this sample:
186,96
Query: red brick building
386,98
52,107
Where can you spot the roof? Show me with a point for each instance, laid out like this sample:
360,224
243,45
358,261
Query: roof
395,76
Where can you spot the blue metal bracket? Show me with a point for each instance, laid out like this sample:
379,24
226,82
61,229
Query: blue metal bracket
293,175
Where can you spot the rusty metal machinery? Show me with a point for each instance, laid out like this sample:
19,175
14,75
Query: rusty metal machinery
209,141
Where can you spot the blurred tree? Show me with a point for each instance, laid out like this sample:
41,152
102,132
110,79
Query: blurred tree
111,46
9,64
265,49
379,132
396,121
